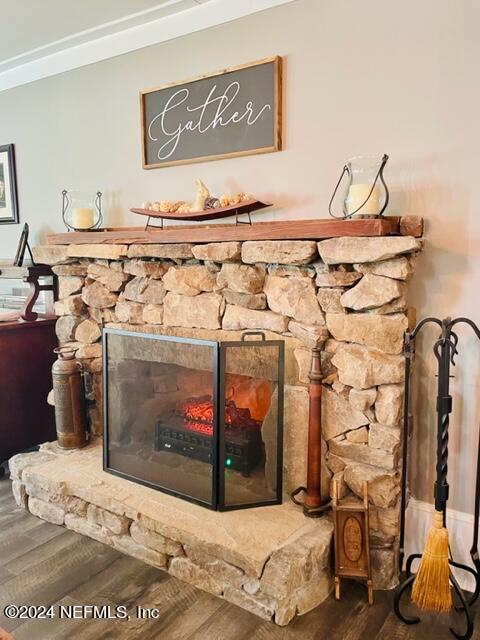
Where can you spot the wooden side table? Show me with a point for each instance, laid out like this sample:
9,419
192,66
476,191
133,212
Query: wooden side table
32,274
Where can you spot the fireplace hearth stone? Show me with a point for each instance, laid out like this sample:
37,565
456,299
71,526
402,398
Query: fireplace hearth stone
272,561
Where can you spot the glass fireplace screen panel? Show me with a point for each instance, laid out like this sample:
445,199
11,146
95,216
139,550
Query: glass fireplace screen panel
161,412
251,424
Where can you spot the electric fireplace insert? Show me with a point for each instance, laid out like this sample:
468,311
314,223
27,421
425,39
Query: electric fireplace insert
199,419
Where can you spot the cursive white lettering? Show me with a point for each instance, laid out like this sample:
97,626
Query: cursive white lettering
200,122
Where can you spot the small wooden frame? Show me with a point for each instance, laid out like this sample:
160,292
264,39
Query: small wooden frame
352,548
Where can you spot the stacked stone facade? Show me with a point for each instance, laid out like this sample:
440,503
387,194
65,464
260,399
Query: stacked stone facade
346,295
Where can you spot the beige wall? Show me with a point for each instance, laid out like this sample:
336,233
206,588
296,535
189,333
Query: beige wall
360,77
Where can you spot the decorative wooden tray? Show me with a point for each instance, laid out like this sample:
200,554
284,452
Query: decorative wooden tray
246,206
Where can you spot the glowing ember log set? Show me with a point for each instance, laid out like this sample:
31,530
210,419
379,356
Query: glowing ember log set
189,431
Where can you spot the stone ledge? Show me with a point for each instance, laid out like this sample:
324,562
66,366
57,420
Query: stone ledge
272,561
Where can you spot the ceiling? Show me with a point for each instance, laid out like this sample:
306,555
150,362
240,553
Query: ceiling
40,38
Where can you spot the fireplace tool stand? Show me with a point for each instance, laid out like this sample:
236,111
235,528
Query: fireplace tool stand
445,350
312,503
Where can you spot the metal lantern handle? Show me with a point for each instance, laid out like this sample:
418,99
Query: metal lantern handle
378,177
98,205
66,202
65,205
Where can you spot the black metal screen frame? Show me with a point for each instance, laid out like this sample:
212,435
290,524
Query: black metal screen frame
215,372
219,351
224,346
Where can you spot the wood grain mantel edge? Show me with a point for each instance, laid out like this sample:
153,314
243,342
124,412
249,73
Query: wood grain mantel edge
278,230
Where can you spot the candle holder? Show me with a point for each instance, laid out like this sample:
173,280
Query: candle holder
82,210
366,193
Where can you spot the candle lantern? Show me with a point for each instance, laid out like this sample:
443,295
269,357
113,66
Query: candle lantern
82,210
366,193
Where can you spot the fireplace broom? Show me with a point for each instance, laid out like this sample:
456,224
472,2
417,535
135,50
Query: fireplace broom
431,587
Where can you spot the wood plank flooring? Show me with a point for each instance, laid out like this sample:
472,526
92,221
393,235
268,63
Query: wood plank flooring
43,564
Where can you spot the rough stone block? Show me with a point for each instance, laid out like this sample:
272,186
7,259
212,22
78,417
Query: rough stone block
362,367
242,278
312,336
398,268
364,453
106,251
114,523
380,332
248,300
279,251
383,485
112,279
384,568
85,527
145,290
50,254
153,313
202,311
362,399
329,300
68,285
337,279
313,593
87,331
184,569
338,416
191,280
71,306
46,511
97,295
146,268
242,318
358,436
259,604
383,437
372,291
70,270
21,461
298,562
389,404
131,312
126,544
294,297
66,327
351,250
153,540
173,251
19,494
222,571
218,251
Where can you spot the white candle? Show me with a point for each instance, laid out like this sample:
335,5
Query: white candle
357,194
82,218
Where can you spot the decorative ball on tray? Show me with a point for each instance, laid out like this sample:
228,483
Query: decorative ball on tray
204,207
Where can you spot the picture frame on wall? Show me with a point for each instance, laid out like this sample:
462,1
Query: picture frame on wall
8,186
232,112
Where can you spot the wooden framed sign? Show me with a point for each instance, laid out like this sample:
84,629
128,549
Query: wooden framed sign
229,113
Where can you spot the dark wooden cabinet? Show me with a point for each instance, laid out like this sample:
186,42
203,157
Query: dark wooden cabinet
26,358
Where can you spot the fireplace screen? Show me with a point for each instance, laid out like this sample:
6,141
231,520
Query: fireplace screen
199,419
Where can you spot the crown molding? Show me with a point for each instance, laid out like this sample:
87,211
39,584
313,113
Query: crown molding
117,38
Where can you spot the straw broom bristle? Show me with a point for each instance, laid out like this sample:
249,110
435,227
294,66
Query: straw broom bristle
431,588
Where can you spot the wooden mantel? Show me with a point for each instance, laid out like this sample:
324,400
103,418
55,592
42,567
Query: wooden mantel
278,230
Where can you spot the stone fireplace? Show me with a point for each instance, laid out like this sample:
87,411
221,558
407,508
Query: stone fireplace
345,295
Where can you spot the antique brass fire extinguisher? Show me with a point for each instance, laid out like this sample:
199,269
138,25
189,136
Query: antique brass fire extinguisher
69,394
